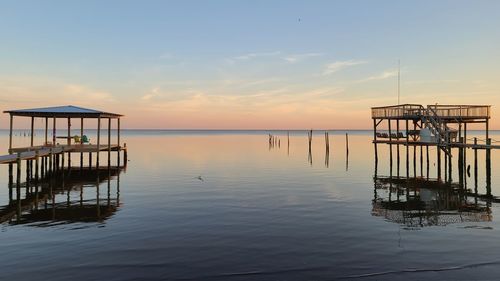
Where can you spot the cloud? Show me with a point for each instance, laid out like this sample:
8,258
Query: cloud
300,57
250,56
384,75
155,92
339,65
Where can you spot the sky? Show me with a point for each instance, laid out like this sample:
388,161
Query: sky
248,64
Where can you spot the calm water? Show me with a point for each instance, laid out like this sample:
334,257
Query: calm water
225,206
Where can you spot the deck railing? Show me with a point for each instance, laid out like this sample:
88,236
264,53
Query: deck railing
398,111
462,111
443,111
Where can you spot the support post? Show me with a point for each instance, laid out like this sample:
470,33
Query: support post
54,132
465,148
460,163
109,142
427,160
69,131
438,149
397,146
390,144
98,140
488,167
475,162
81,143
10,132
120,147
46,129
487,129
32,129
36,166
407,152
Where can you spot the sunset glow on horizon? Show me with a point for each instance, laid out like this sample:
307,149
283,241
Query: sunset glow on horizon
248,65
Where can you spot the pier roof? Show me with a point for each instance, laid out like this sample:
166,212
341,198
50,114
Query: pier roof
68,111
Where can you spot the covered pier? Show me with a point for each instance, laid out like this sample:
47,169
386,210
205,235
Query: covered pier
78,143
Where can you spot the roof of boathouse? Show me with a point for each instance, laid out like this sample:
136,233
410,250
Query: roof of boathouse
68,111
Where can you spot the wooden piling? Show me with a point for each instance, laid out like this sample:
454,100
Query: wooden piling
475,162
36,165
109,142
488,167
438,149
18,162
427,160
347,143
125,157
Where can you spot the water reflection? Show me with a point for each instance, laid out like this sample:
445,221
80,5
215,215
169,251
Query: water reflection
66,196
418,202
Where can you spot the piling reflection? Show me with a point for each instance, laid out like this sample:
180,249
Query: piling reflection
419,202
64,196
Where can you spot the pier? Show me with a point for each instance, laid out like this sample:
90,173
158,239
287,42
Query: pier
444,127
51,151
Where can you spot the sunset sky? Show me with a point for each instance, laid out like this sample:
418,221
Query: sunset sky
248,64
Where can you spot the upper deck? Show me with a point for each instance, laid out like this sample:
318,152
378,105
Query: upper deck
448,113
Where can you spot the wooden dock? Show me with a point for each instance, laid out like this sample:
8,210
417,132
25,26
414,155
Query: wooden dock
31,153
441,126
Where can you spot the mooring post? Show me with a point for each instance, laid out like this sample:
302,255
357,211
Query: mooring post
346,152
125,157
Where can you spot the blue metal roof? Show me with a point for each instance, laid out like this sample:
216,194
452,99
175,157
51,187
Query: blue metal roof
63,111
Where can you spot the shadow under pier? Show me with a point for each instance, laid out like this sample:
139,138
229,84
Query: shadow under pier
419,202
64,196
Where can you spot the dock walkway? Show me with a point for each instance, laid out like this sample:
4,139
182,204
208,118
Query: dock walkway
32,152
